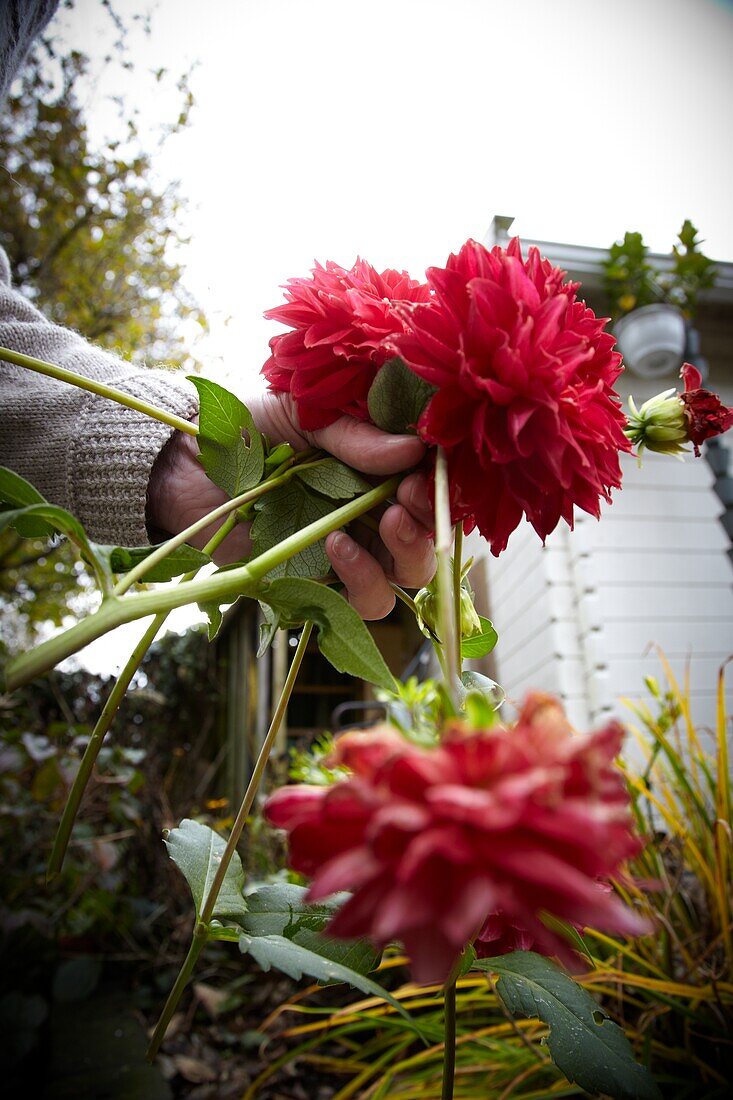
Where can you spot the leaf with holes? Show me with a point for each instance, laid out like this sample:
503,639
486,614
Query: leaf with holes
589,1048
232,463
281,910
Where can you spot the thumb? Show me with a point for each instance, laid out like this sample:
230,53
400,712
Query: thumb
367,448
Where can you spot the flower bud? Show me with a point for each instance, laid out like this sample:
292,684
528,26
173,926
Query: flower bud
659,425
665,422
426,602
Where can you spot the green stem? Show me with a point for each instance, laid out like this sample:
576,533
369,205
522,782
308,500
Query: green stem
449,1047
207,909
61,374
457,570
209,905
403,596
275,480
449,627
197,945
225,586
106,718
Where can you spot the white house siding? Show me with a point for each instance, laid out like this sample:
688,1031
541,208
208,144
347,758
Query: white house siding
580,617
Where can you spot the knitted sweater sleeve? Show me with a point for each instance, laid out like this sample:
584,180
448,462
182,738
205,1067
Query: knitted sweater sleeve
84,452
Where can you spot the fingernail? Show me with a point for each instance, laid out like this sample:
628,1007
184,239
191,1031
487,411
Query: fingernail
406,530
420,497
344,547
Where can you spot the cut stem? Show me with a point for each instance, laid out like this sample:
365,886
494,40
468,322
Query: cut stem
449,1046
250,794
107,717
449,624
209,904
225,586
61,374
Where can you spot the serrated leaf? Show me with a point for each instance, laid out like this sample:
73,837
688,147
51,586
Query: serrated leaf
281,910
480,644
295,960
281,513
333,479
397,397
184,559
343,638
589,1048
197,850
231,463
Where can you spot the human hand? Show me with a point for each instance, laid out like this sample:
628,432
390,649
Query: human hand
179,493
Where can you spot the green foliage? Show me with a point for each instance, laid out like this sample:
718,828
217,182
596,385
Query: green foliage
343,639
232,463
184,559
397,397
197,850
282,513
631,282
479,645
280,909
310,765
90,234
333,479
584,1042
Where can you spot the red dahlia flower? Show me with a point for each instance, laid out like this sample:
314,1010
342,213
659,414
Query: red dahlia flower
525,407
339,320
706,415
475,836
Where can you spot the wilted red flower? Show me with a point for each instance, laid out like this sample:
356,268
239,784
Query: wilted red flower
475,837
525,406
706,415
339,320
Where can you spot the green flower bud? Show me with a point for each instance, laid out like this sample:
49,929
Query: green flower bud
659,425
426,602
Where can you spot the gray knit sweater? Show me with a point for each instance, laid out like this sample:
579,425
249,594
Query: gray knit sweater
86,453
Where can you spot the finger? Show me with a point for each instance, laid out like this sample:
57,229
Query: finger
414,494
367,587
410,545
369,449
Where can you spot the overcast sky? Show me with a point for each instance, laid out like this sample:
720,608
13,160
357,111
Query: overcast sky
395,129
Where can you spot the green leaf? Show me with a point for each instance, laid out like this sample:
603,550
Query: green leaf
585,1044
296,960
281,910
184,559
54,518
268,628
342,635
397,397
333,479
197,850
281,513
480,644
15,490
212,611
477,685
231,463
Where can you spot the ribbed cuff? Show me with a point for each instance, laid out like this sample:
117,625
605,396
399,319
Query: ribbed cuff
113,452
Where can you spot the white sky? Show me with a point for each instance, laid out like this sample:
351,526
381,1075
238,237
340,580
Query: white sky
394,130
